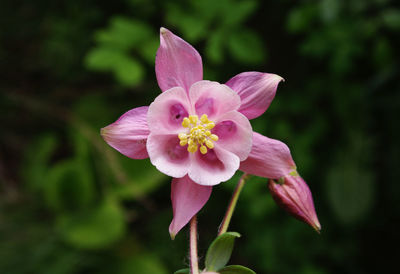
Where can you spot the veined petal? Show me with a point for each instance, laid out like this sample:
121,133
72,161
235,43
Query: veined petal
213,99
216,166
268,158
187,199
129,133
167,155
235,134
178,64
166,113
256,90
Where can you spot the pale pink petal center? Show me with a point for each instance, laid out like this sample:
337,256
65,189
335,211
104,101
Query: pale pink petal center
217,166
176,113
167,155
213,99
205,106
235,134
225,130
166,113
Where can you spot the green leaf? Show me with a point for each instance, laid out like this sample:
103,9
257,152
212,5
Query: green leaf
329,10
301,19
129,72
220,251
95,228
143,263
236,269
94,110
215,47
143,178
124,34
37,160
391,18
69,186
238,12
247,47
351,182
193,28
103,58
183,271
149,49
126,70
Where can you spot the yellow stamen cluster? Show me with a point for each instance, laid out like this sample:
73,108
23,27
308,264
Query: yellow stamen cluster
199,133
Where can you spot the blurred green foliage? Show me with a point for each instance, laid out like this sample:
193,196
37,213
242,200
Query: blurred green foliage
71,204
116,47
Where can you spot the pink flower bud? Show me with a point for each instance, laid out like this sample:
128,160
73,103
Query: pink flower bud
293,195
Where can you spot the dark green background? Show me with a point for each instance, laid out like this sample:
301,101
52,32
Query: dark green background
71,204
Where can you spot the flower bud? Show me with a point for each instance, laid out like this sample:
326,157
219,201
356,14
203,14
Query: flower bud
293,195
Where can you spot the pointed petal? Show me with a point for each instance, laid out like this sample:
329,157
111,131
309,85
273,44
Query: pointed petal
166,113
235,134
177,62
294,196
256,90
167,155
216,166
129,133
213,99
268,158
187,200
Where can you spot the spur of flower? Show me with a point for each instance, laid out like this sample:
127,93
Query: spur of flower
198,131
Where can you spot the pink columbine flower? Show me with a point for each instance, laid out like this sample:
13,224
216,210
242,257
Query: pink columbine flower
293,195
198,131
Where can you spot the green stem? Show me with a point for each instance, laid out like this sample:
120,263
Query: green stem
194,265
232,204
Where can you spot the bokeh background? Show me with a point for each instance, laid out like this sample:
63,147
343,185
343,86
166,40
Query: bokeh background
71,204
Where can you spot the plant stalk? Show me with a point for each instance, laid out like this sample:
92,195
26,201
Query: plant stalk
232,204
194,265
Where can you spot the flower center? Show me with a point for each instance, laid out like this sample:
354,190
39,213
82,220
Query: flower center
198,133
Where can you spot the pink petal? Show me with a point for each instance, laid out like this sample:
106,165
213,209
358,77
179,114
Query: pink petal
166,113
268,158
235,134
187,199
178,64
129,133
213,99
256,90
216,166
167,155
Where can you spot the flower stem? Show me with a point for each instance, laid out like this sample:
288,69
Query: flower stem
194,265
232,204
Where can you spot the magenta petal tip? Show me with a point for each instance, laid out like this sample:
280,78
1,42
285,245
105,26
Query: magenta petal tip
293,195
